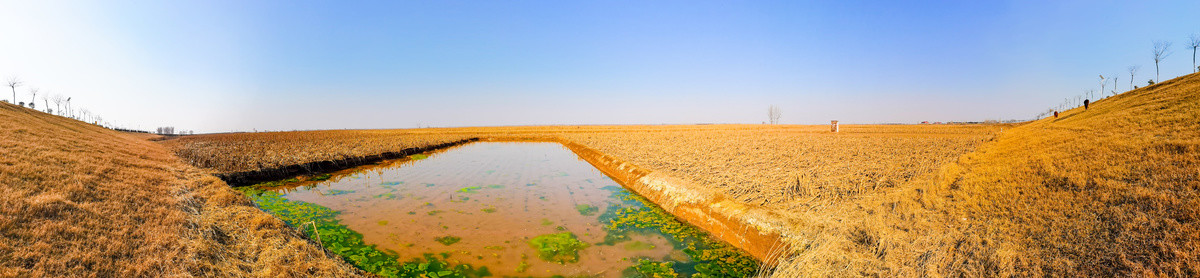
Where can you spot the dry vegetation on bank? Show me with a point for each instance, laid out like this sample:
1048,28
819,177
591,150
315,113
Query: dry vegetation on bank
1111,191
1108,191
801,172
238,152
81,200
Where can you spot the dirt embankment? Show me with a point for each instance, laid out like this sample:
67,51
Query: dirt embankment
1113,190
328,166
81,200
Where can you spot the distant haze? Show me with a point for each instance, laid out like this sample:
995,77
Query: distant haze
215,66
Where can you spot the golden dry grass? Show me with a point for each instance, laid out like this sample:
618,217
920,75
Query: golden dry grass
801,172
81,200
239,152
1107,192
793,167
1111,191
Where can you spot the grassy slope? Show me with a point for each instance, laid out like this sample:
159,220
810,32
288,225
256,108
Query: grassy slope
1112,190
80,200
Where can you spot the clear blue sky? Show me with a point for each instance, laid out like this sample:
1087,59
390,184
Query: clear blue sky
279,65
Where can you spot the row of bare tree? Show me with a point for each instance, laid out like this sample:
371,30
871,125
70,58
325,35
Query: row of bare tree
1162,49
62,105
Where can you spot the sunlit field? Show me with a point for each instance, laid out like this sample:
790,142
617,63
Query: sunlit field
599,139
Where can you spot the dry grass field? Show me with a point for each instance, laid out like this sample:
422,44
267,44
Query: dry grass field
1111,191
805,173
82,201
237,152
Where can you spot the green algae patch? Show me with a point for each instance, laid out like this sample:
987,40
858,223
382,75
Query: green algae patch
470,189
319,222
586,209
391,183
522,267
418,156
489,209
652,269
321,177
448,240
335,192
495,186
559,248
386,196
638,246
712,257
277,183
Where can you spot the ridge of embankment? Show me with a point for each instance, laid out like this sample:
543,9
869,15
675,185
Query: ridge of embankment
1112,190
81,200
264,175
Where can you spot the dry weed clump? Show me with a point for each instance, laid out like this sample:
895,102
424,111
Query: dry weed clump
81,200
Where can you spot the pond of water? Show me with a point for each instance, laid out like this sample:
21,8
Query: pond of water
495,209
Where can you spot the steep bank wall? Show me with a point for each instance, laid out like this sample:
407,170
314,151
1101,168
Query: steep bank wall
252,177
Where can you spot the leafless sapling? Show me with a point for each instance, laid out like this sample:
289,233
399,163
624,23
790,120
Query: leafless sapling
1115,78
13,83
1162,49
1194,43
33,91
58,101
1132,71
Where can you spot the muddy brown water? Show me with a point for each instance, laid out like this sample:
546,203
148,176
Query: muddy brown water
495,196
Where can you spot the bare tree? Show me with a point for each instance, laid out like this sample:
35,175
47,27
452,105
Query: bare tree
33,91
773,114
1132,71
58,101
14,82
1162,49
1115,78
1194,43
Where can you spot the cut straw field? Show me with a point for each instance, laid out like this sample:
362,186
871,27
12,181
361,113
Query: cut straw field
79,200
